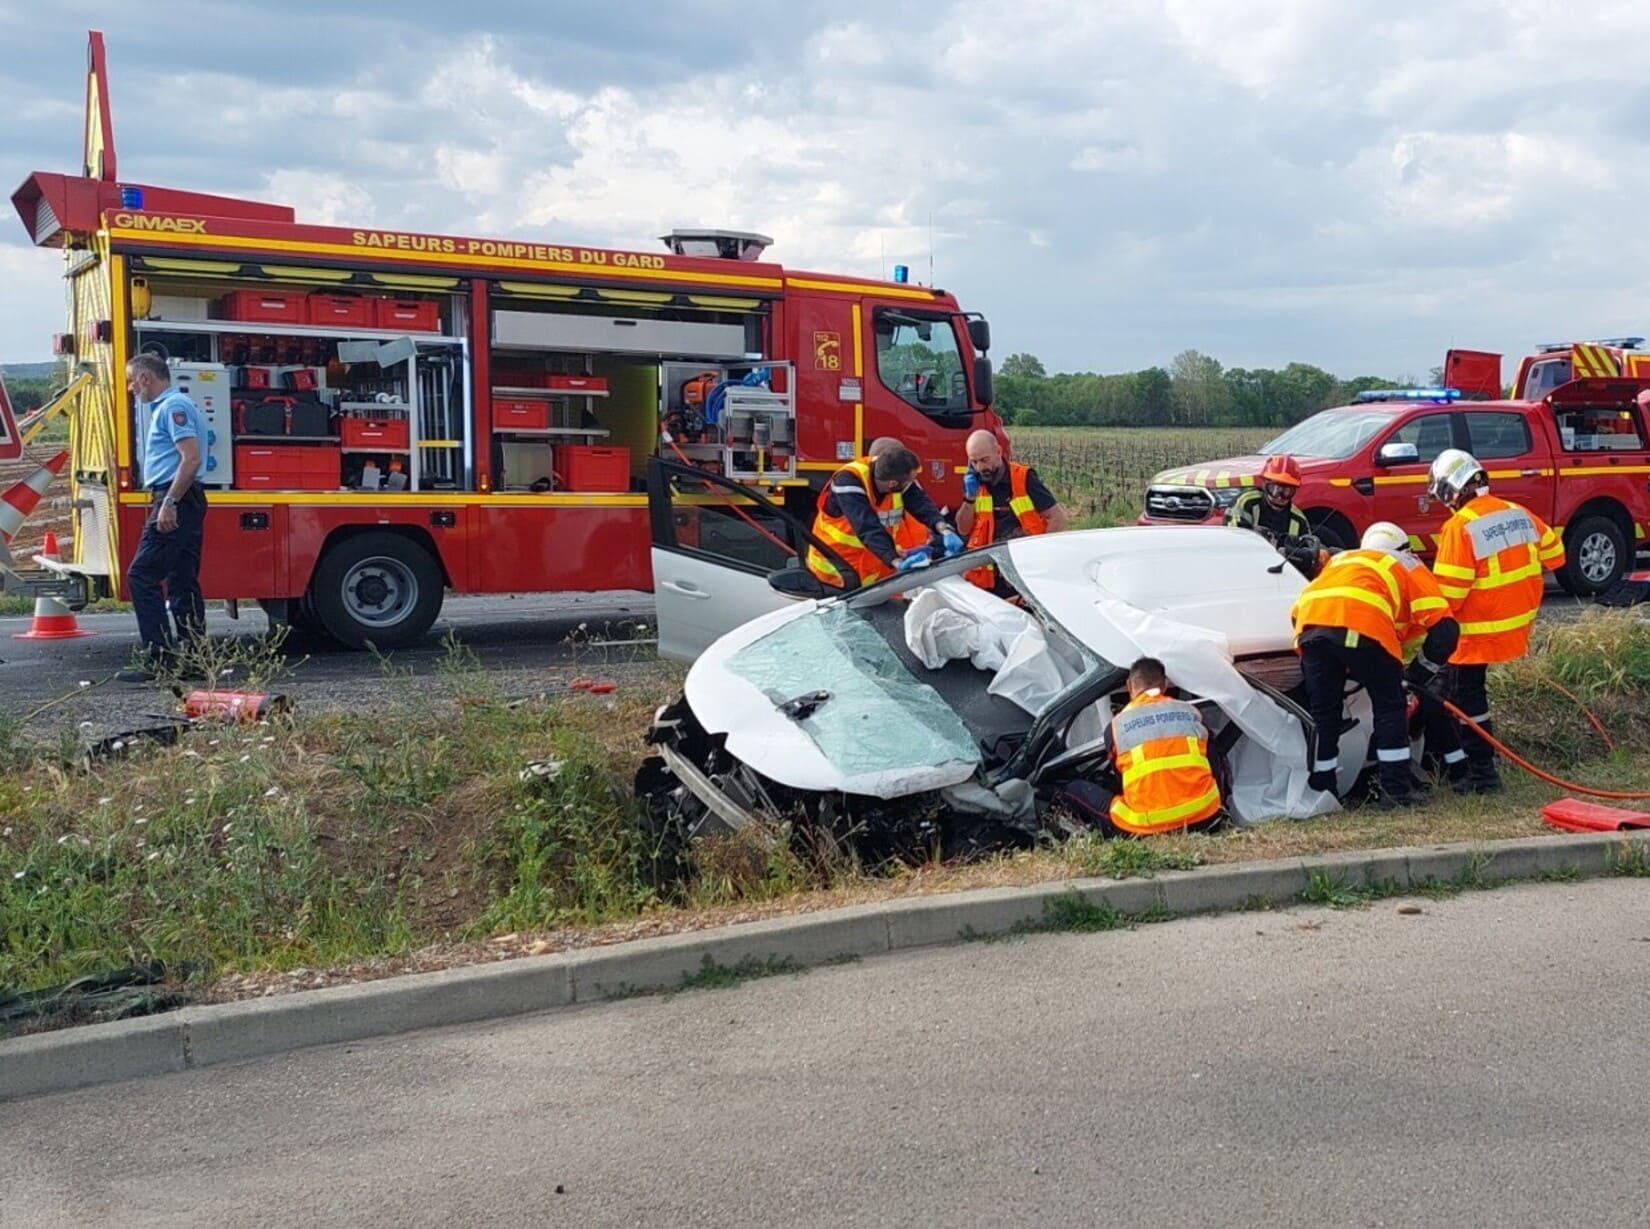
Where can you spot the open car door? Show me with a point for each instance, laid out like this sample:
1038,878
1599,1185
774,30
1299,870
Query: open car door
715,545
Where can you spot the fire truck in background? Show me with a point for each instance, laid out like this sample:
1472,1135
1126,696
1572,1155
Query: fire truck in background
392,414
1571,443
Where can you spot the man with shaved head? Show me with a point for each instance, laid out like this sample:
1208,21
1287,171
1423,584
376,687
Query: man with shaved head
1009,499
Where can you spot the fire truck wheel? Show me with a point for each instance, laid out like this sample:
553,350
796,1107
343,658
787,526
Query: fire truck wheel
1595,556
378,589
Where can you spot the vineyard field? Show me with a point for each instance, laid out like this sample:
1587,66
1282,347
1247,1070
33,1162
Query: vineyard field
1100,473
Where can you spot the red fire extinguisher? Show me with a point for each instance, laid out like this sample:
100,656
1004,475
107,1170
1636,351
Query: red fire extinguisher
246,706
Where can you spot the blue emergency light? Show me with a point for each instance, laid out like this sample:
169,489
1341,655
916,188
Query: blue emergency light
131,198
902,273
1411,394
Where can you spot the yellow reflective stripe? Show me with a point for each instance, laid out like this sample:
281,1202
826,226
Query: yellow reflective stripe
832,533
1020,506
1146,767
1385,567
1492,626
1351,639
1454,593
1428,603
818,563
1499,580
1168,815
1311,596
1557,551
1455,570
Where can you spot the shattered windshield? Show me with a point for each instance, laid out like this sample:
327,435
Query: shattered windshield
877,716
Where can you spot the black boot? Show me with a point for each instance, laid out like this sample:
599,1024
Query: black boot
1398,788
1482,777
1325,781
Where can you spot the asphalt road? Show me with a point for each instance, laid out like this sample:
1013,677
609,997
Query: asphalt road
1479,1063
514,636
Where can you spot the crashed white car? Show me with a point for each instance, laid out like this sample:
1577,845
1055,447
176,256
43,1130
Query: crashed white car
923,710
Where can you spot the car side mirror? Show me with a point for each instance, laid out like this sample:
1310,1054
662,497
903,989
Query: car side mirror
979,332
983,391
1396,452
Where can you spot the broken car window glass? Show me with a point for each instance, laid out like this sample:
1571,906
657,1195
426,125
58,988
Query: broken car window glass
878,717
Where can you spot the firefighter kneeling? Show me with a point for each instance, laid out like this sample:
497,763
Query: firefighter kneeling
1160,748
1351,622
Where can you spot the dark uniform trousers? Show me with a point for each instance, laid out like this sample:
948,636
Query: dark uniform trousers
1327,661
169,562
1472,697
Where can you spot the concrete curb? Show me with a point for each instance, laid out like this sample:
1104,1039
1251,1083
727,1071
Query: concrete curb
204,1036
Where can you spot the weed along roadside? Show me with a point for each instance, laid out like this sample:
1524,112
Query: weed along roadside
244,861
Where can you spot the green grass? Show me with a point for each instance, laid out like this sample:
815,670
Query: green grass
1124,859
334,838
330,839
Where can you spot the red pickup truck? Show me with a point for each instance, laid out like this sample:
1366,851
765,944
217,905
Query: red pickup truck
1577,455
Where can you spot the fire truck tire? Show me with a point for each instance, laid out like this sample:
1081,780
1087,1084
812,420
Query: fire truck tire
1595,556
376,589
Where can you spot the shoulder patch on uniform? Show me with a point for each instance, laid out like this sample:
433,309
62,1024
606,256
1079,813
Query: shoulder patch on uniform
180,417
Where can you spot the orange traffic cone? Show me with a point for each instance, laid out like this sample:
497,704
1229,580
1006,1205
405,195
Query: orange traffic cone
20,500
52,619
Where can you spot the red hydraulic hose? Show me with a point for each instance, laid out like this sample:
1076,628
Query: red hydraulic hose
1609,743
1571,786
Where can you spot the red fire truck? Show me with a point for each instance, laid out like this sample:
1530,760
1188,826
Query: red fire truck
393,415
1572,443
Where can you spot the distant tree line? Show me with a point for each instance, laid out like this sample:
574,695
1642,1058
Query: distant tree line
29,394
1195,391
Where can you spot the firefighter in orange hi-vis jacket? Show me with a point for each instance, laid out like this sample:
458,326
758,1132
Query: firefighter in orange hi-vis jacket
1491,557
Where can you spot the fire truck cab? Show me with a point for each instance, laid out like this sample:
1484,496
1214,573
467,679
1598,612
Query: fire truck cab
392,414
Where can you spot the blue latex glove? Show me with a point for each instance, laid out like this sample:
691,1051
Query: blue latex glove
953,545
971,484
913,560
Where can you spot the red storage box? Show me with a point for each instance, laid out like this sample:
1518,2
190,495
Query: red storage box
286,467
520,414
273,306
576,384
351,309
408,315
586,467
374,432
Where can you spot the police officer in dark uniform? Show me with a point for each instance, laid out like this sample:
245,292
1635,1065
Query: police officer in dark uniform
168,558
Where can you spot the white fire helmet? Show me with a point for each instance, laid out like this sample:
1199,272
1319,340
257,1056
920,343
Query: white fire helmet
1452,472
1384,535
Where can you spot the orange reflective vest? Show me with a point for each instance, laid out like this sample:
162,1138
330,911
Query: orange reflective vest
985,519
1423,602
1490,559
1162,751
838,533
1387,597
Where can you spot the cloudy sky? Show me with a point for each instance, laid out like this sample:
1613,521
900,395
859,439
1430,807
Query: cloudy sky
1357,184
